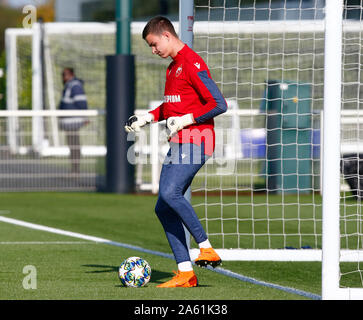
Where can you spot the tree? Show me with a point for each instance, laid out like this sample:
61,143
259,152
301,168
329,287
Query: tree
46,11
105,10
9,18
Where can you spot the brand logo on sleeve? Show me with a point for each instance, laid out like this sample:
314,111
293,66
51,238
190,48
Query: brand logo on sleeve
197,64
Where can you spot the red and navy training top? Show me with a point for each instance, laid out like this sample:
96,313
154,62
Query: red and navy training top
189,88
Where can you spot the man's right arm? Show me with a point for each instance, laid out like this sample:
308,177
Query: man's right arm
157,113
134,123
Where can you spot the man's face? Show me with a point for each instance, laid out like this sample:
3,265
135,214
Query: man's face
160,44
66,75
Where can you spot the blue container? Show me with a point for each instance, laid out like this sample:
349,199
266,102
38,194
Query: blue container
253,143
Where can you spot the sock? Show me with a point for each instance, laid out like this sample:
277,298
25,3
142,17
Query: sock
185,266
205,244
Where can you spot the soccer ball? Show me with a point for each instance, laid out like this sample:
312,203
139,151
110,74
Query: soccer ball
134,272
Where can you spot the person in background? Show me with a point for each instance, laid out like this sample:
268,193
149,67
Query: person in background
73,98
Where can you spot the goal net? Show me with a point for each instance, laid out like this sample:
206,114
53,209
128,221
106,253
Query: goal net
264,202
267,195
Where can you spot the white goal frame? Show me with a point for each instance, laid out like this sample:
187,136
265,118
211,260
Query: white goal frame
331,253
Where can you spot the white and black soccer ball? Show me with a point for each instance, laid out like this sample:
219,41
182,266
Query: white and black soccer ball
134,272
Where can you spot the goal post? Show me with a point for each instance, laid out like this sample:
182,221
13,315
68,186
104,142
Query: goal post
186,21
331,158
331,149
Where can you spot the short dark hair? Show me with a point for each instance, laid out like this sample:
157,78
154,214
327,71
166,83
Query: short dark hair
158,25
70,70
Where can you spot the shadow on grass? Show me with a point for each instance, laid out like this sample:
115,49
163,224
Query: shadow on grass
102,268
156,275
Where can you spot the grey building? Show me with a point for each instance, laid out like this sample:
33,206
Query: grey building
81,10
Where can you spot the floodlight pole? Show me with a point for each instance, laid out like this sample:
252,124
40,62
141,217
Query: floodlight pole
123,26
186,21
120,104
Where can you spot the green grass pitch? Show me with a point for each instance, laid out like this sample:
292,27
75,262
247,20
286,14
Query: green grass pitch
70,268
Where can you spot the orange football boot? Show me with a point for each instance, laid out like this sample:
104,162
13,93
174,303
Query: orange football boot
182,279
208,256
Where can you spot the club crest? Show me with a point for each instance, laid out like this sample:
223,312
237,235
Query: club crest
178,71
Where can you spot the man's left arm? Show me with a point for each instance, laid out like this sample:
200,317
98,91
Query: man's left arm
214,102
207,89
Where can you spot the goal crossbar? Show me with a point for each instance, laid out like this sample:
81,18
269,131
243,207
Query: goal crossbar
297,255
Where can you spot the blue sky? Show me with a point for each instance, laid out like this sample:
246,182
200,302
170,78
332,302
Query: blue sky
20,3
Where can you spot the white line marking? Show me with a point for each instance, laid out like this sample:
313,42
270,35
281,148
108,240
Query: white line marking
81,236
241,277
52,230
45,242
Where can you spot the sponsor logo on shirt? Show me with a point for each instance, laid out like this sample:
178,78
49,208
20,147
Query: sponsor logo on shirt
172,98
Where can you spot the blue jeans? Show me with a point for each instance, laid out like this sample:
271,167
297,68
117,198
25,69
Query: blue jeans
180,166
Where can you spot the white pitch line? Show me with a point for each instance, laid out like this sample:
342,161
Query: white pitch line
81,236
45,242
52,230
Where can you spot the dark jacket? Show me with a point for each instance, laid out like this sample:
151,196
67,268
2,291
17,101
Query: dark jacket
73,96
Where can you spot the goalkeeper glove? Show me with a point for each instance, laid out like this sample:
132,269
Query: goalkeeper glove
174,124
134,123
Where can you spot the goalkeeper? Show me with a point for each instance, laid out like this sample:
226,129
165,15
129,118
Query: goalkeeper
191,101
